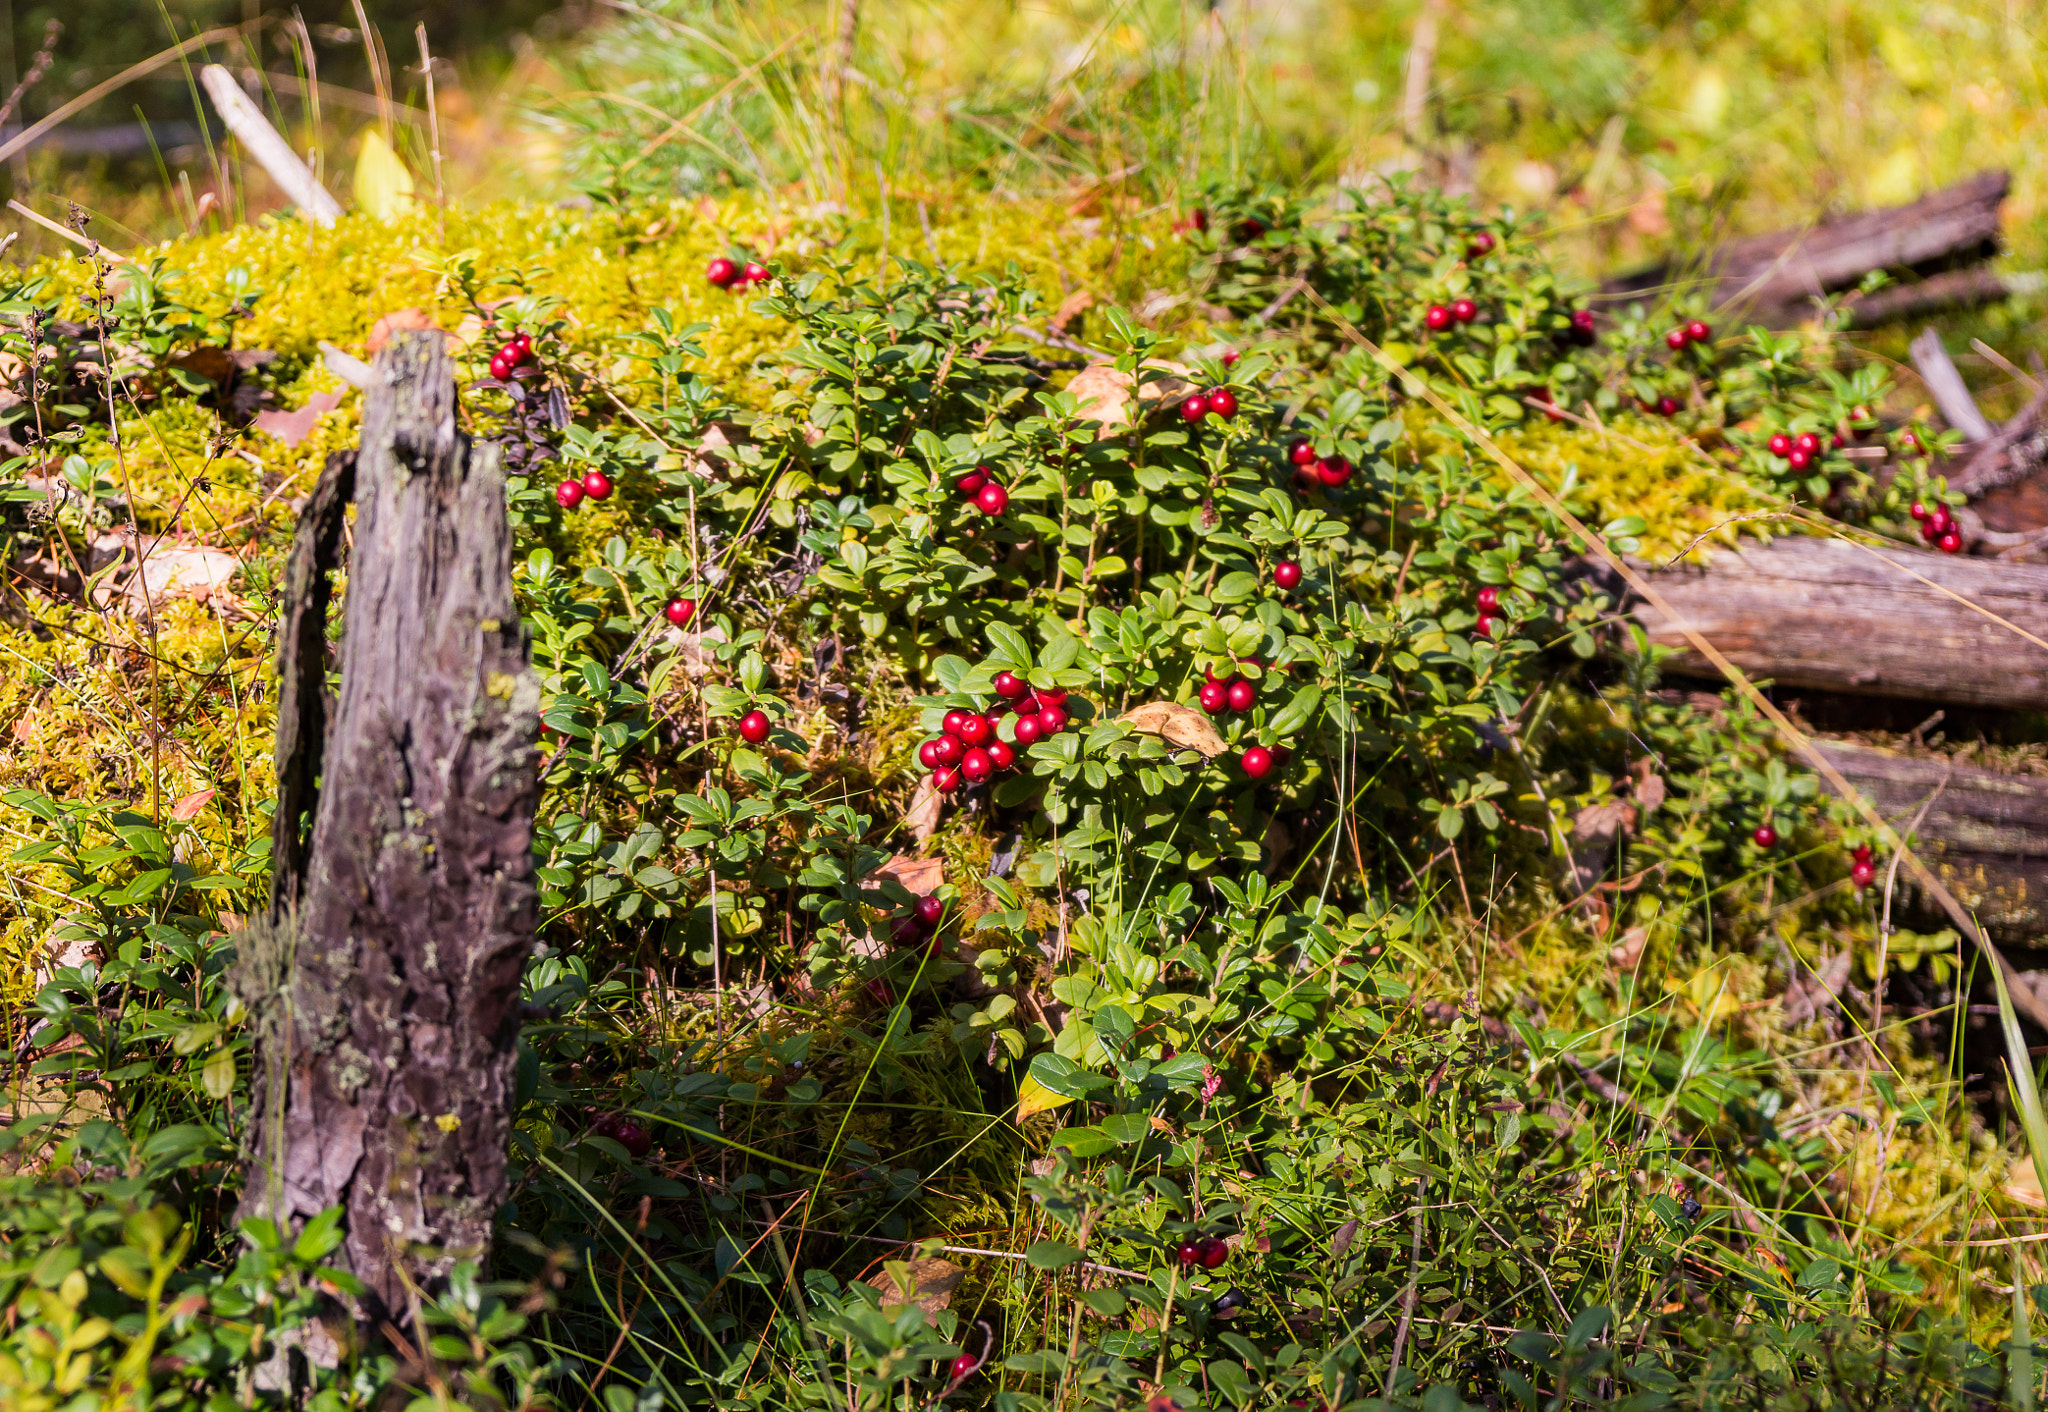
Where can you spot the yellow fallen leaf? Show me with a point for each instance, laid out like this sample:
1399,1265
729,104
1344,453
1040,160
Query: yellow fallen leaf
1035,1097
383,186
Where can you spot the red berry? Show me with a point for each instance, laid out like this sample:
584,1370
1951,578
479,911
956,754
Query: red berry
1484,627
928,755
880,993
974,729
1781,446
1213,1252
1488,599
1223,403
945,779
569,494
1861,853
1800,459
1215,697
976,766
1230,356
1194,409
1675,339
1910,442
1582,328
631,1136
972,482
1919,511
1010,686
1256,762
521,348
1001,754
1950,543
992,499
680,611
1939,521
597,485
1049,696
1437,318
1028,729
1806,441
1765,836
722,272
908,931
1481,244
1302,452
963,1365
949,749
1241,694
1052,720
1464,311
1667,406
755,273
1287,574
951,725
754,727
1334,471
1862,873
501,366
1698,332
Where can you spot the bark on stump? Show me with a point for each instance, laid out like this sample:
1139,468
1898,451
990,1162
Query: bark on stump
386,978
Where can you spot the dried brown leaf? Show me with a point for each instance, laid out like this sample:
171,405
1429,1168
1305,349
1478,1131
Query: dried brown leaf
1182,727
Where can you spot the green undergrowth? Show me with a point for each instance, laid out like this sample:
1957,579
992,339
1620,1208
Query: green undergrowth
1478,1032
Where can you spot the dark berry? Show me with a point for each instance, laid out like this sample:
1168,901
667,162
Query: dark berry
1231,1299
1241,695
597,485
680,611
880,993
754,727
1188,1252
975,766
1690,1209
631,1136
1213,1252
722,272
1765,836
569,494
1302,452
1437,318
1194,409
1667,406
1256,762
1287,574
1215,697
1010,686
907,932
992,499
1464,311
1698,332
1223,403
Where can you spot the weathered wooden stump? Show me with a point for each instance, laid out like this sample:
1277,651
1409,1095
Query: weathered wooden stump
386,978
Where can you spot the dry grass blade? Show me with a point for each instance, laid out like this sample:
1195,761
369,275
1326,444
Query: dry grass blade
28,137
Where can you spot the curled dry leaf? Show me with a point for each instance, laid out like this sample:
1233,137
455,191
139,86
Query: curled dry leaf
932,1282
918,875
1105,393
1182,727
294,427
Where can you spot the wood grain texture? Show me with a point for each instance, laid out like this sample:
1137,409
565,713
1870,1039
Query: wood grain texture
1985,833
388,1065
1828,616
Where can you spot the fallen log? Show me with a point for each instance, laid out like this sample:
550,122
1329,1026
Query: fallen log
1773,278
1825,615
1984,832
1951,290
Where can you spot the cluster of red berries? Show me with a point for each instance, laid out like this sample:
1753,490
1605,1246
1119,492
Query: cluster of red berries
625,1132
1694,332
1438,317
1207,1252
1796,451
1862,866
680,610
511,354
1764,837
1938,527
980,486
754,727
971,752
1232,693
731,274
1311,470
921,927
1219,402
594,485
1487,600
